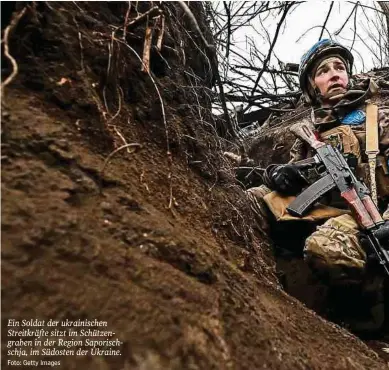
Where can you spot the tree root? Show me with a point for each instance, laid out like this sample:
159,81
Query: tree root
8,29
110,156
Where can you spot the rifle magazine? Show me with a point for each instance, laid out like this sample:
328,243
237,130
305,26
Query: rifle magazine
310,196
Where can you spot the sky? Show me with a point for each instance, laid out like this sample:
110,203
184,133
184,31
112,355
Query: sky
313,13
302,29
301,32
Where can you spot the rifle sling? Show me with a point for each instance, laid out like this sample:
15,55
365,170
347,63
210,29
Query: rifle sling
372,147
310,195
372,129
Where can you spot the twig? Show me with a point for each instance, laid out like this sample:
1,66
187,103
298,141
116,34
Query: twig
75,3
161,32
110,53
267,59
111,155
194,23
347,19
269,70
143,182
227,9
326,20
151,12
105,104
232,97
367,6
7,31
81,51
122,137
120,104
146,50
310,29
126,20
355,28
368,47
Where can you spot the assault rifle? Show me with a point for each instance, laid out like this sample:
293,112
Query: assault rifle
338,174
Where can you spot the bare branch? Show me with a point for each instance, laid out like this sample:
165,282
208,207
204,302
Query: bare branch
326,20
347,19
227,8
286,9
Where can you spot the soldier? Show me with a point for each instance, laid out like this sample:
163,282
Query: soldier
335,251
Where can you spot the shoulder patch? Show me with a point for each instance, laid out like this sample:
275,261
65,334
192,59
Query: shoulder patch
356,117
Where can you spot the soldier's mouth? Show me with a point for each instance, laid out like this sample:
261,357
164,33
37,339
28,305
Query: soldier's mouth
336,86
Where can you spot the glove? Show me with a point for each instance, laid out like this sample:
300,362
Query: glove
286,179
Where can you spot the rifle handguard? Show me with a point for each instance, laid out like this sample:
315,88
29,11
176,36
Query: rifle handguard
363,215
372,210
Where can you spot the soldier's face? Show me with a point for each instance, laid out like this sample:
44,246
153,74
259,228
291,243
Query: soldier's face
331,78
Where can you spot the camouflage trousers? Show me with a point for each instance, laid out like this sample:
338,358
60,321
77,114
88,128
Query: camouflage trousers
334,251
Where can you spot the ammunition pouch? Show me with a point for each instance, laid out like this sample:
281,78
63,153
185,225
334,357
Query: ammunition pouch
350,142
343,138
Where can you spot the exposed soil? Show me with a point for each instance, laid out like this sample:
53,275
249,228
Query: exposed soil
162,246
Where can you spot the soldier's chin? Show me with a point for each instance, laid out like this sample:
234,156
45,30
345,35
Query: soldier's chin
336,93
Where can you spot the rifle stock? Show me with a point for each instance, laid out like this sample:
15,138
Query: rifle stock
305,131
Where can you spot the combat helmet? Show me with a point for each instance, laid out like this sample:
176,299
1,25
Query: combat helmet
319,50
